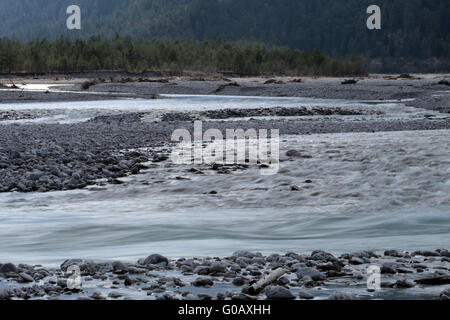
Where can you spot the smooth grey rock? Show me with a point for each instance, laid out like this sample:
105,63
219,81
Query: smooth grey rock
445,295
115,295
278,293
8,267
5,294
389,268
119,267
426,253
341,296
305,295
202,282
239,281
310,272
393,253
156,259
404,284
246,254
26,277
218,267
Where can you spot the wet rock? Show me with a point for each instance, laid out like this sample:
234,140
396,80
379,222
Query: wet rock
203,282
87,267
426,253
119,267
444,252
243,262
8,267
341,296
218,267
314,274
239,281
393,253
156,259
278,293
246,254
357,261
445,295
404,284
202,270
97,296
5,294
25,277
305,295
434,280
328,257
389,268
61,282
115,295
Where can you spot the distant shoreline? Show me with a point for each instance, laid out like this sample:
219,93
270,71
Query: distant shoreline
415,90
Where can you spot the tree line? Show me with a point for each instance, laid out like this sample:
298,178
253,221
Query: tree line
65,55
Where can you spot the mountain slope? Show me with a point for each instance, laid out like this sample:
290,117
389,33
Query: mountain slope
410,28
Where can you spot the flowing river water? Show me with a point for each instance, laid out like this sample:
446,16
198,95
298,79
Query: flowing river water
354,191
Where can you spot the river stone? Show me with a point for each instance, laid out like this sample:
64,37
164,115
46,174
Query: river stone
305,295
119,267
8,267
389,268
393,253
278,293
310,272
202,282
202,270
246,254
426,253
444,252
322,256
26,277
218,267
157,260
115,295
404,284
4,294
445,295
341,296
239,281
86,266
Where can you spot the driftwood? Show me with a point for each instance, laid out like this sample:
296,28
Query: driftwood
261,284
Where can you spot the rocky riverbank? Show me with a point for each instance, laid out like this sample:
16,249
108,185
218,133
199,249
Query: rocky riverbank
50,157
241,276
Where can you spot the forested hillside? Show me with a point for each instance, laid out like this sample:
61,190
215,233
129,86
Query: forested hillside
211,56
415,33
